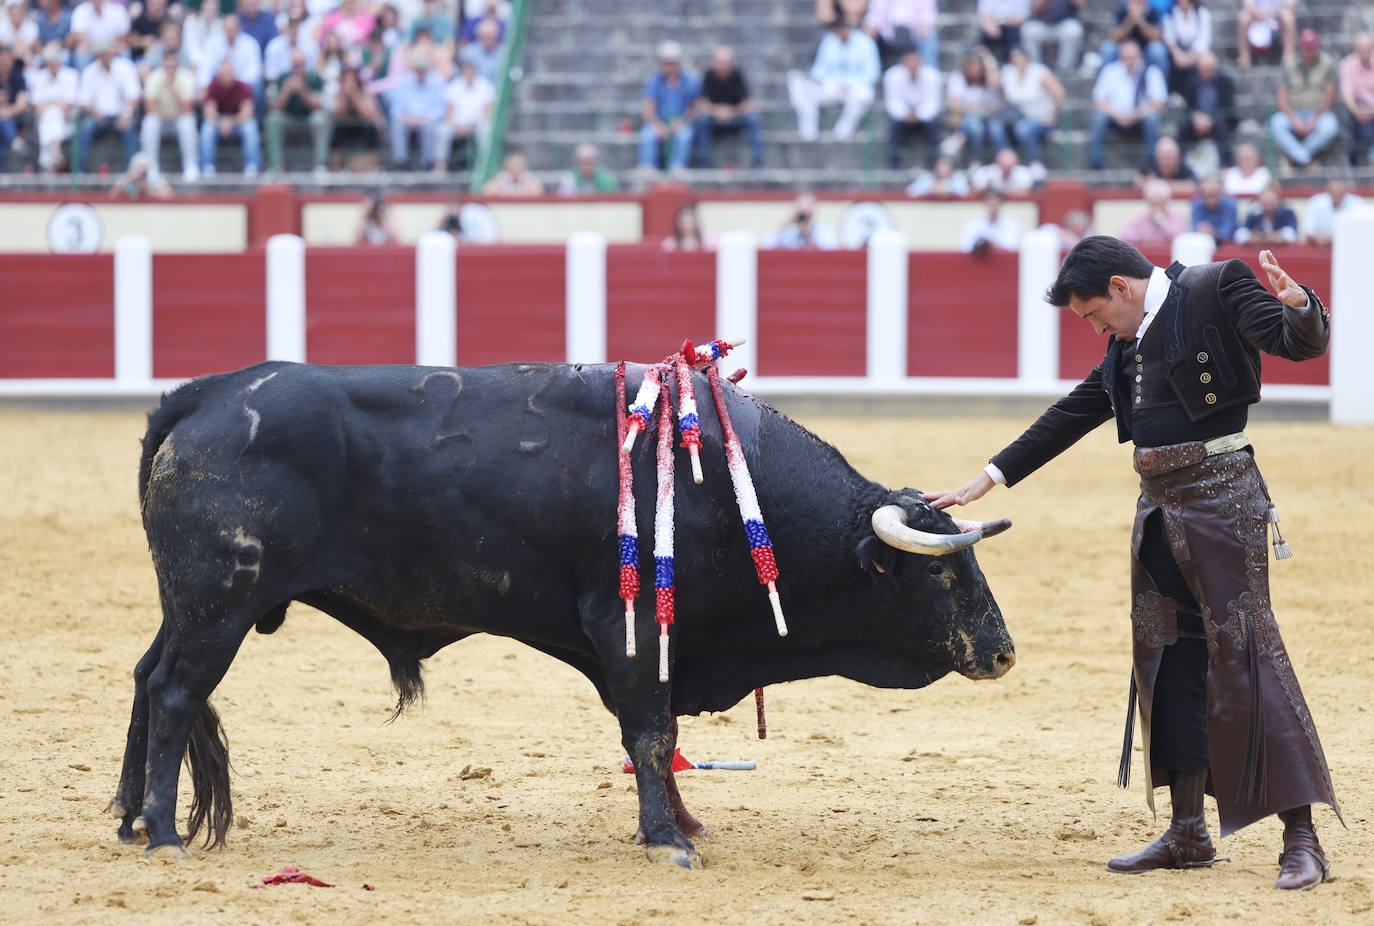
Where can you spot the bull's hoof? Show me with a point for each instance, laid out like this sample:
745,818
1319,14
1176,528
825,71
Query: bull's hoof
130,838
672,855
140,824
115,809
170,852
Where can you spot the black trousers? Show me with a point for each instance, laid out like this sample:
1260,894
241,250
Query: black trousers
1178,724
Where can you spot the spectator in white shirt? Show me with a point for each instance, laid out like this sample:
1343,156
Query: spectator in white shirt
96,21
1187,35
994,231
896,25
468,102
169,98
19,30
53,90
845,72
1005,174
1034,95
973,93
913,93
1248,176
277,57
1319,218
999,24
239,47
1128,97
109,98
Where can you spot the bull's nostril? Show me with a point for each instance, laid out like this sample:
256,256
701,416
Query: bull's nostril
1005,661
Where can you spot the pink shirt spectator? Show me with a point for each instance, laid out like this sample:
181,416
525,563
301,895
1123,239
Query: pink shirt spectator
1357,79
353,28
1148,230
884,16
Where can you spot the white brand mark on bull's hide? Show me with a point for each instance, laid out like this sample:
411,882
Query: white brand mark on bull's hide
248,558
254,419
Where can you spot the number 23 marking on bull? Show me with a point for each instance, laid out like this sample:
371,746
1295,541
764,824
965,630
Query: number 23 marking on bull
449,425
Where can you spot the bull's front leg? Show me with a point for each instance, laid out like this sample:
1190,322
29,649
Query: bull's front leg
648,731
650,747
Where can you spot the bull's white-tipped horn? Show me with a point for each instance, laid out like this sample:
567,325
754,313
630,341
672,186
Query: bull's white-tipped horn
889,523
986,528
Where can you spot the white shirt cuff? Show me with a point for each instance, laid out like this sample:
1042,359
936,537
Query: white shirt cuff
995,474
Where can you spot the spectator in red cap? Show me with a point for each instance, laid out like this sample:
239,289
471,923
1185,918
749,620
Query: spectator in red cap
1304,123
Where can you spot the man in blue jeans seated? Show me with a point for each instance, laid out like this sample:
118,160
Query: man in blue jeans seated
726,107
1128,97
669,103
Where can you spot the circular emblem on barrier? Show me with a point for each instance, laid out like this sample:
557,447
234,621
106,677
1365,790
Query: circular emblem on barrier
479,224
75,228
861,220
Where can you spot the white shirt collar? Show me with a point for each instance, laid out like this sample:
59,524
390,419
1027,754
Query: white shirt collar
1156,291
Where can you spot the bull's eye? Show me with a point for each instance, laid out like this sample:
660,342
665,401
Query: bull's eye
935,569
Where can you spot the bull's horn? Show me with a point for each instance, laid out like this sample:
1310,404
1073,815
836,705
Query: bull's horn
889,523
986,528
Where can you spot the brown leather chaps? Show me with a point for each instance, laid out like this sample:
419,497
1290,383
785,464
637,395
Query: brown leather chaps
1264,752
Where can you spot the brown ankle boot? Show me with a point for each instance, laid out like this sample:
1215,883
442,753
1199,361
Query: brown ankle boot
1303,863
1186,843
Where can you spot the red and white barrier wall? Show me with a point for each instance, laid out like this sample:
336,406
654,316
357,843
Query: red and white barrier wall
882,320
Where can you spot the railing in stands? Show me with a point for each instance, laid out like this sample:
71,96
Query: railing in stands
489,157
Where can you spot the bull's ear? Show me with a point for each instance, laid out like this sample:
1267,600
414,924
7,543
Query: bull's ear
876,556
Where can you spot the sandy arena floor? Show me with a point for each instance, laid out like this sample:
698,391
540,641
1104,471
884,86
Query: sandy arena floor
962,803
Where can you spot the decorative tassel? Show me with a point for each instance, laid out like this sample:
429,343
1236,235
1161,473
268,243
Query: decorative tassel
1281,548
1123,772
663,530
760,545
1253,783
712,351
687,421
625,510
758,712
643,407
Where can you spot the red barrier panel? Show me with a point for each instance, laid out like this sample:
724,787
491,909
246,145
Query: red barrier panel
656,299
56,316
209,312
510,304
360,305
812,313
1080,350
961,316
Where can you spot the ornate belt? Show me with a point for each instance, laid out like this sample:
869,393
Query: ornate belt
1155,461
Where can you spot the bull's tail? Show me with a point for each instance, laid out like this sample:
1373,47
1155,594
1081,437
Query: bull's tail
207,758
174,406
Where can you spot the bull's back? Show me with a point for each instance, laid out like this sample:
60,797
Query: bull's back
416,491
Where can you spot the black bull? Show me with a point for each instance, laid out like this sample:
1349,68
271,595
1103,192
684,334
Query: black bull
419,506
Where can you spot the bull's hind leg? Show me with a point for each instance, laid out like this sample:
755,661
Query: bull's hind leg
127,803
181,723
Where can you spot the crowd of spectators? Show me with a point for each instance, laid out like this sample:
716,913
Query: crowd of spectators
413,83
348,75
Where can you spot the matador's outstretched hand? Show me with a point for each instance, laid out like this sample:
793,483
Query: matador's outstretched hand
1289,293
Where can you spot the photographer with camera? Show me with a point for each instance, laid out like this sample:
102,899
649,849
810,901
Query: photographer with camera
803,232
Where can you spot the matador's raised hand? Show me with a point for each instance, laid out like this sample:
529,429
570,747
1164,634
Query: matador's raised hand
1289,293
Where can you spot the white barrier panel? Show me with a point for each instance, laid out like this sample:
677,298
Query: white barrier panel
133,310
1193,248
586,298
1037,322
1352,322
436,300
286,298
887,305
737,298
